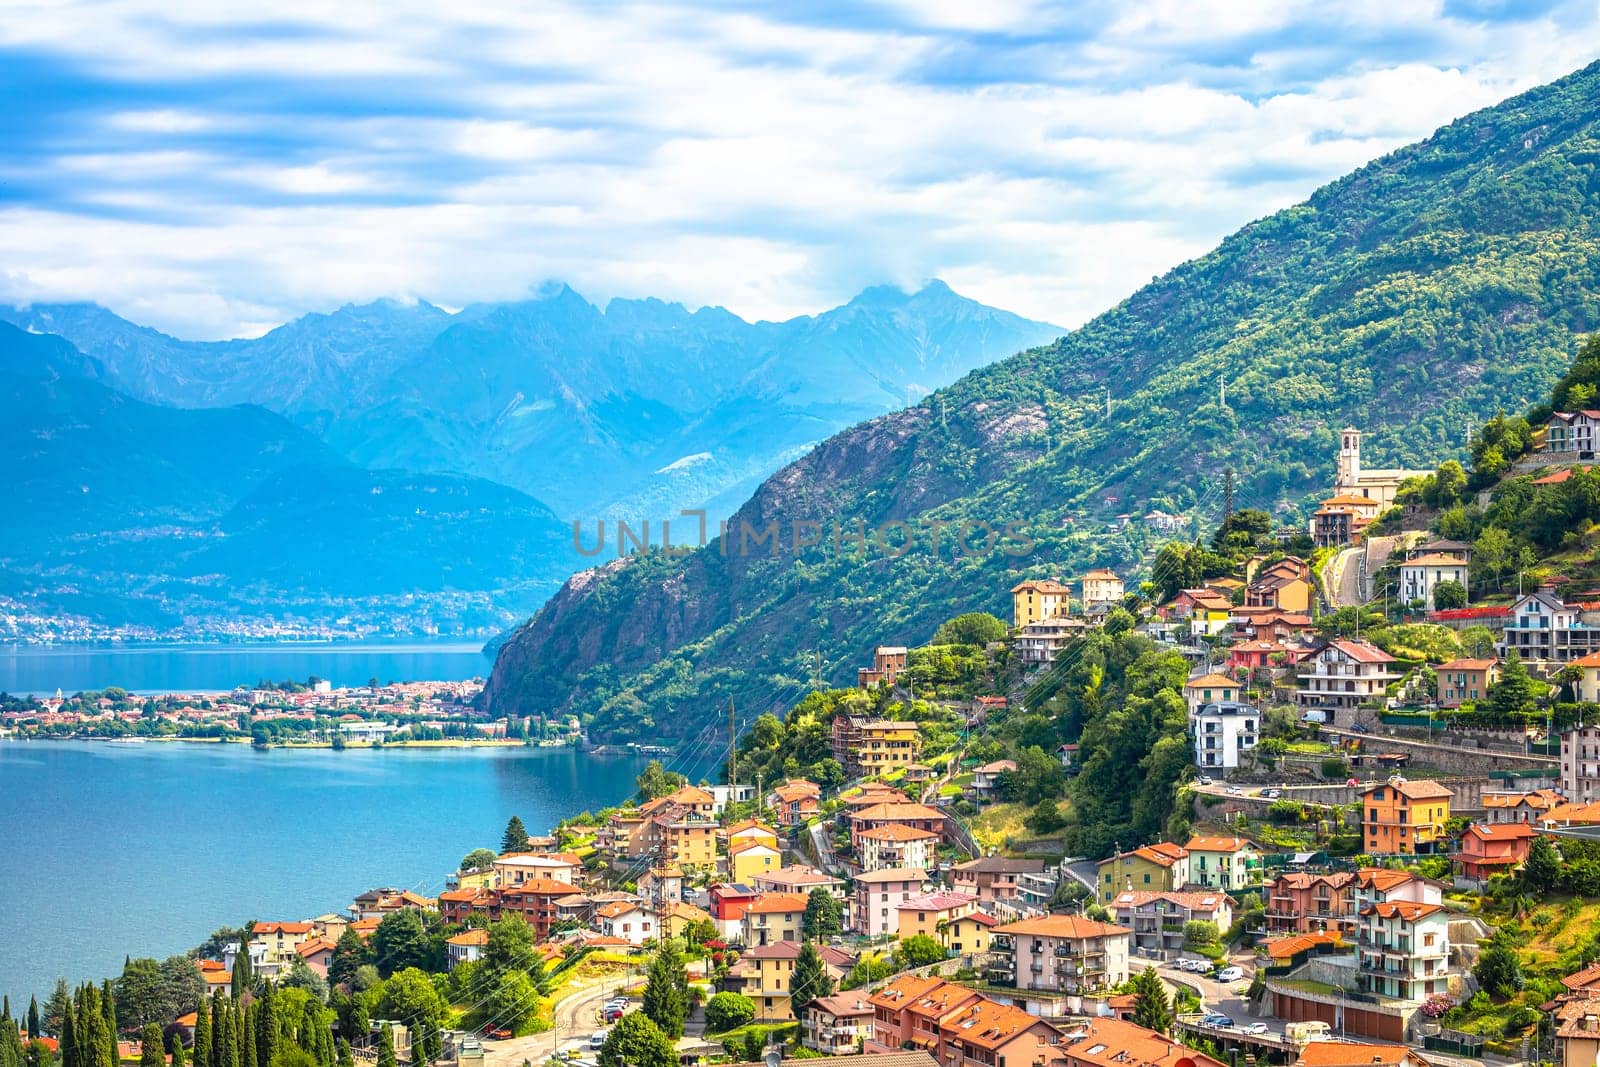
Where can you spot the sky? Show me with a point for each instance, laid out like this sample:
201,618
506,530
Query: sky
214,172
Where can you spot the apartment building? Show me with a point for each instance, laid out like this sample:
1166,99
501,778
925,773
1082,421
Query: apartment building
1059,954
1158,867
1304,903
838,1025
1580,764
1344,674
896,845
1224,733
1157,919
1106,1042
1465,680
1033,601
875,909
1227,863
1401,817
1101,587
885,745
1543,629
773,917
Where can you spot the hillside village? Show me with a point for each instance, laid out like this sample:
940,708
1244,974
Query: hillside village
1325,796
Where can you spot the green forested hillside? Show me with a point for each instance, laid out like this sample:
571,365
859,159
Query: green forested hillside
1417,296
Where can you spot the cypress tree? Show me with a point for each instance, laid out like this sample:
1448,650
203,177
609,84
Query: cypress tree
386,1047
5,1007
202,1035
252,1036
243,978
33,1017
228,1039
69,1036
266,1027
218,1033
11,1054
151,1053
177,1050
108,1005
345,1058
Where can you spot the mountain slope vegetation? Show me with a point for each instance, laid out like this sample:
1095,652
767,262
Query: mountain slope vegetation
1416,297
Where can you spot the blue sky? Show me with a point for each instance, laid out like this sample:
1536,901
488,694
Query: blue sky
214,174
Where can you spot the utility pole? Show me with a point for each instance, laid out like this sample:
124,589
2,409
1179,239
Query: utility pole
1108,402
733,755
1227,495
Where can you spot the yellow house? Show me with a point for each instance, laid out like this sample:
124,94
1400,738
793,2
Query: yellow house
1035,601
1399,817
886,744
968,935
748,860
768,970
1160,868
484,879
677,917
1101,586
927,913
750,830
690,843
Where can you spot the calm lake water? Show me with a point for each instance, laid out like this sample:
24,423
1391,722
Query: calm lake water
197,668
112,849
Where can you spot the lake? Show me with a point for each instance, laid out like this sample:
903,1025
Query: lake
144,849
199,668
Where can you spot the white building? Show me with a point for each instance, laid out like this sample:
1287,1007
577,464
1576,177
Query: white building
1402,935
895,845
1059,953
1351,479
1344,674
1543,628
1101,586
1580,764
1208,689
1573,431
1224,731
1421,575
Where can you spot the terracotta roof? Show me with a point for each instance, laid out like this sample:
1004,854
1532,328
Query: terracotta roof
901,811
287,928
1102,572
1361,651
1539,798
1554,479
842,1004
1350,498
776,903
989,1024
1118,1043
1583,814
879,1059
1193,901
739,848
1408,910
469,937
751,824
307,949
1382,878
617,907
896,832
1470,665
894,874
903,990
1210,681
1420,789
775,950
936,901
1218,844
1502,831
1283,948
1047,585
1067,926
798,874
1583,979
1353,1054
540,887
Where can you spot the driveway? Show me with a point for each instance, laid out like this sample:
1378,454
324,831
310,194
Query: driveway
1344,577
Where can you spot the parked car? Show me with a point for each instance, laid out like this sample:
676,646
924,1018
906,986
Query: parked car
1205,779
1234,790
611,1015
500,1034
1229,974
1255,1028
597,1039
1218,1021
1272,794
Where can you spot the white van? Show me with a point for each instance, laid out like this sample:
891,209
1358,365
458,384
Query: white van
1302,1033
597,1039
1314,715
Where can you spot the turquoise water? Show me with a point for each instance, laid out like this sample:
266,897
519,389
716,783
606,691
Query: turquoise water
197,668
111,849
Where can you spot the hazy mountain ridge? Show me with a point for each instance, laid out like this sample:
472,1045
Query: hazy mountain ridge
576,405
1437,285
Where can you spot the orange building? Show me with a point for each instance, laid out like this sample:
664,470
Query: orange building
1399,817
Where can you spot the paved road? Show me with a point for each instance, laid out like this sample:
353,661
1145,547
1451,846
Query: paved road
575,1019
1344,578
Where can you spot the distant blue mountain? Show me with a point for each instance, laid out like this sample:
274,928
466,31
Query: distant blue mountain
636,410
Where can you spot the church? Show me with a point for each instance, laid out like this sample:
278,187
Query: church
1379,486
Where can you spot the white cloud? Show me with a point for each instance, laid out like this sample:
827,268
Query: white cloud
210,175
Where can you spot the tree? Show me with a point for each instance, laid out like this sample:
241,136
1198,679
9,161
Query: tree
1512,696
728,1011
636,1042
400,942
349,955
655,781
243,978
510,945
515,839
824,915
666,994
480,859
973,628
1152,1007
514,1001
301,976
919,950
809,979
1448,595
1477,642
1045,818
141,994
202,1036
152,1048
1542,869
410,995
1498,971
386,1047
293,1056
1119,620
33,1017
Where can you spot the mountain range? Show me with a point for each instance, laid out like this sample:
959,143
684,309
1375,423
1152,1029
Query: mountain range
1435,286
412,468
